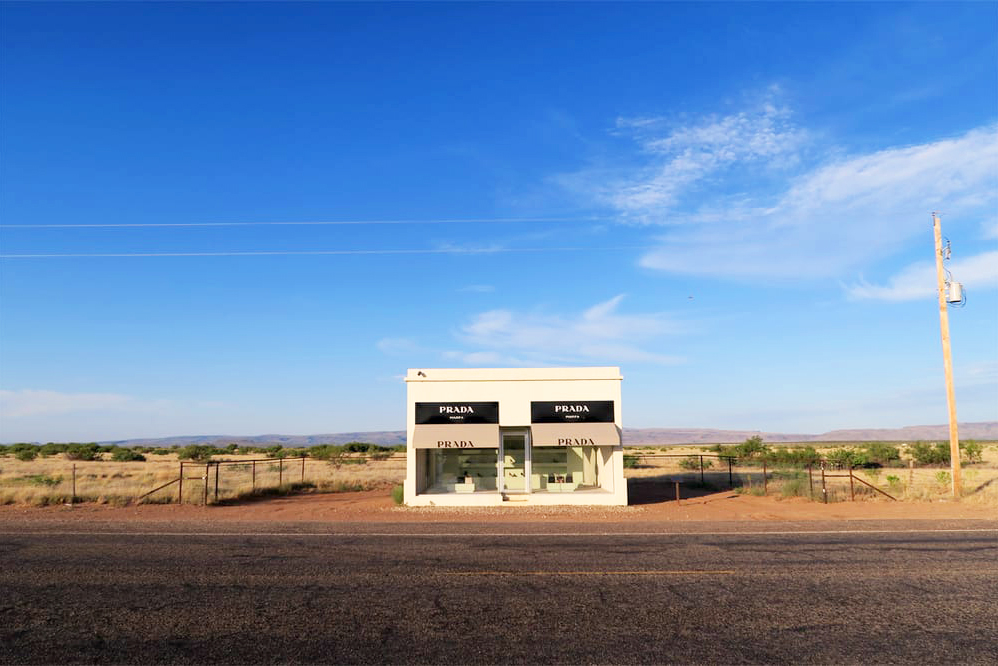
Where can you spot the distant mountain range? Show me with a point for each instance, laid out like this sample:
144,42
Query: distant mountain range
987,430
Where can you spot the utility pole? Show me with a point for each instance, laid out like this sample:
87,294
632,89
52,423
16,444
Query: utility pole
954,437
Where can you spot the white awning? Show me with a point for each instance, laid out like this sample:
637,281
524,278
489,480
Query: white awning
575,434
466,436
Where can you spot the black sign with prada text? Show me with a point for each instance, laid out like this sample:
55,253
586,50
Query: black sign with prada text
572,411
456,412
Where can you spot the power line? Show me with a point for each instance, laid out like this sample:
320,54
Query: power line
276,253
135,225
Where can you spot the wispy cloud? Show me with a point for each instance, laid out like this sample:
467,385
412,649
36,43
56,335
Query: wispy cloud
753,194
919,280
31,402
839,216
599,333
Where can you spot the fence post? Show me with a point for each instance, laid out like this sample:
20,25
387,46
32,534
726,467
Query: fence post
303,469
280,473
207,468
254,476
677,492
180,490
810,481
72,500
731,479
701,470
852,490
765,481
824,489
216,481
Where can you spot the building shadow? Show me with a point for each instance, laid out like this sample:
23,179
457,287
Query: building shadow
660,489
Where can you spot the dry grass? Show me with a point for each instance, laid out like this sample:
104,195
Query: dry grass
50,480
980,480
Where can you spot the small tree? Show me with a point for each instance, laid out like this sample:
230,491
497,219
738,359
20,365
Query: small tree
197,453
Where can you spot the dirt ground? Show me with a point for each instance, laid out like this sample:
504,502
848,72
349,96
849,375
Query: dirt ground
377,507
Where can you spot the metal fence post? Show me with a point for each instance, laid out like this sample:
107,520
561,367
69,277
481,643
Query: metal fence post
765,481
207,467
216,481
72,500
254,476
303,469
701,470
180,490
677,492
810,481
824,489
731,478
280,473
852,490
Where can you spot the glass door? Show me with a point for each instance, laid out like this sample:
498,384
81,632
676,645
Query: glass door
515,459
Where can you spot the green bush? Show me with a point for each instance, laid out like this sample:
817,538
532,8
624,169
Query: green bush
89,451
751,448
693,463
802,456
630,462
398,494
52,449
126,455
847,458
161,452
881,452
197,453
325,452
26,455
973,450
926,453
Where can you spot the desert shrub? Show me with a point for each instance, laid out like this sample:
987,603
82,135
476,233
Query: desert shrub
197,453
630,462
894,481
126,455
83,452
380,455
161,452
398,494
360,447
52,448
881,452
325,452
803,456
26,455
693,463
43,480
848,458
751,448
926,453
973,450
795,484
943,478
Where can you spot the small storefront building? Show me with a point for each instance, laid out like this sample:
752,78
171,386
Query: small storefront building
519,435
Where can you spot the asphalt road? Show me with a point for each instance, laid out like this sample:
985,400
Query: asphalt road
455,594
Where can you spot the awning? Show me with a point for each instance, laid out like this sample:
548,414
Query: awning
466,436
575,434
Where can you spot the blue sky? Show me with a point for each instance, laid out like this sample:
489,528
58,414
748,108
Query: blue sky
732,202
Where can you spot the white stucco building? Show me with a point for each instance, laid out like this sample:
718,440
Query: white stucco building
519,435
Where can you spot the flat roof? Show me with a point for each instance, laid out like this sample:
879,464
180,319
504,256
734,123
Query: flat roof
510,374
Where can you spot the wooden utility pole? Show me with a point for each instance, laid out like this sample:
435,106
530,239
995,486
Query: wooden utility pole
954,437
